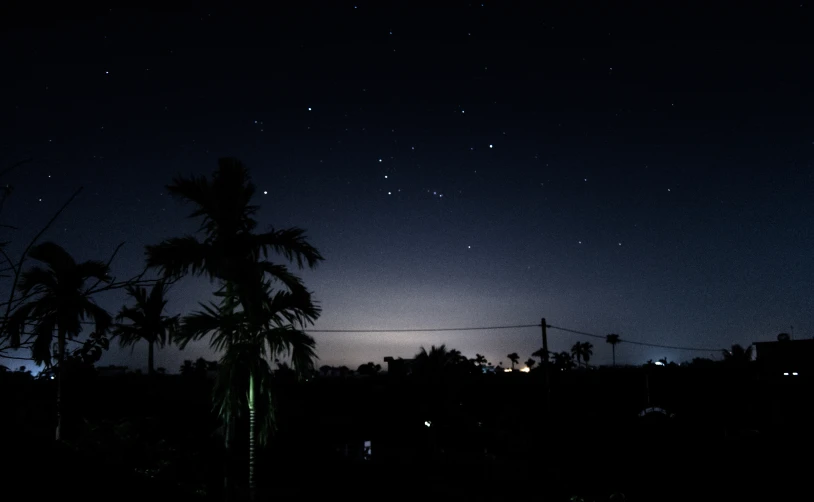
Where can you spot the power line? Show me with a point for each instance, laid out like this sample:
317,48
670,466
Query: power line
645,344
421,330
512,326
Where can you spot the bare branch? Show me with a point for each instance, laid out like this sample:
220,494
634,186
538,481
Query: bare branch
109,261
14,166
33,241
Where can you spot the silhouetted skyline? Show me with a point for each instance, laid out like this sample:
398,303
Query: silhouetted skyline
476,165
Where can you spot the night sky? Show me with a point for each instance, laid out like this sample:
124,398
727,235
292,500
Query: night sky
635,171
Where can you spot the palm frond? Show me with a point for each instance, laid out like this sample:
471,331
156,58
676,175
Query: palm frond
43,336
93,269
290,243
15,327
178,256
53,255
99,315
198,324
36,277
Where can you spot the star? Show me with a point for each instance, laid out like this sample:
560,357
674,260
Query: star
309,108
385,176
491,146
265,192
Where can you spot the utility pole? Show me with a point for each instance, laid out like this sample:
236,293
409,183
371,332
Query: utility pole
545,368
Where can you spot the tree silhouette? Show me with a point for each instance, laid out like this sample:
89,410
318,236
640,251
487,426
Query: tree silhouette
232,253
60,302
480,360
530,362
613,340
738,355
514,358
587,352
147,321
437,362
187,369
582,351
542,354
369,369
244,374
562,361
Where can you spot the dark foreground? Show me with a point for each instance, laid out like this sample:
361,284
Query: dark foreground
488,440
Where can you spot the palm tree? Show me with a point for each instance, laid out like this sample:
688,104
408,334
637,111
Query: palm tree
514,358
582,351
613,340
244,374
61,302
480,360
530,362
576,352
587,352
147,321
738,355
233,254
229,250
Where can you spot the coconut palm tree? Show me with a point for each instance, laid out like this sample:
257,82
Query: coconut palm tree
514,358
147,321
530,362
613,340
229,250
479,360
60,303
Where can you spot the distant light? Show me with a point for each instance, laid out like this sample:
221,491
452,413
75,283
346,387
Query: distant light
526,369
389,193
659,363
309,108
507,370
52,377
491,146
785,374
265,192
380,160
794,373
385,176
427,423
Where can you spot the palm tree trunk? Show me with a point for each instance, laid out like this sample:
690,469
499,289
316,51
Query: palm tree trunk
150,360
252,440
60,377
613,348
